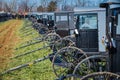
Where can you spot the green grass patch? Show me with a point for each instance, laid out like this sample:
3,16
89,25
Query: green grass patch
1,23
40,71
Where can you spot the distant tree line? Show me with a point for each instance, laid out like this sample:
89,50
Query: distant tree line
52,6
22,6
66,5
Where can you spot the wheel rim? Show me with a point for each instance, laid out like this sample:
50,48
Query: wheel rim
91,64
51,38
63,42
65,60
101,76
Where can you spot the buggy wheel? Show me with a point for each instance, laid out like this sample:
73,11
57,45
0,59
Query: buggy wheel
101,76
69,77
51,38
63,42
91,64
71,37
43,30
65,60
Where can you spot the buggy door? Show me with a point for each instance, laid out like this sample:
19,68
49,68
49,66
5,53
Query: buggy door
88,32
64,23
116,58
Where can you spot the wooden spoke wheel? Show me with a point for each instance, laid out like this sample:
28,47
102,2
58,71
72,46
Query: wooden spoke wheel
51,38
69,77
63,42
101,76
65,60
92,64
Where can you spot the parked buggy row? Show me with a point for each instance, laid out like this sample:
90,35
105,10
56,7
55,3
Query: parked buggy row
5,16
70,62
76,49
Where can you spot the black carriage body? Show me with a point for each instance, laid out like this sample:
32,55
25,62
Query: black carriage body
1,17
113,27
115,33
64,23
46,18
5,16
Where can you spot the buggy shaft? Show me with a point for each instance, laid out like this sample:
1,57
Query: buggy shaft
30,44
27,64
30,52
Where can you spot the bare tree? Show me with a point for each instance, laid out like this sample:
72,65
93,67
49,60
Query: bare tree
31,6
52,6
78,2
13,5
7,7
44,4
10,6
82,3
64,4
24,5
1,5
40,8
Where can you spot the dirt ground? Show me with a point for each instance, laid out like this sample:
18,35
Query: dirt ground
8,39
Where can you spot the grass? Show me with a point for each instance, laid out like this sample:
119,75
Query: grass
7,40
1,23
40,71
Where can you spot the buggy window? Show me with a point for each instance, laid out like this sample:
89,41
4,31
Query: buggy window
118,27
61,18
45,16
50,17
88,21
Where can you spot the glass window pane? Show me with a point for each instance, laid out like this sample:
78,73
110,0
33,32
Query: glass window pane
118,27
50,18
61,18
44,16
88,21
